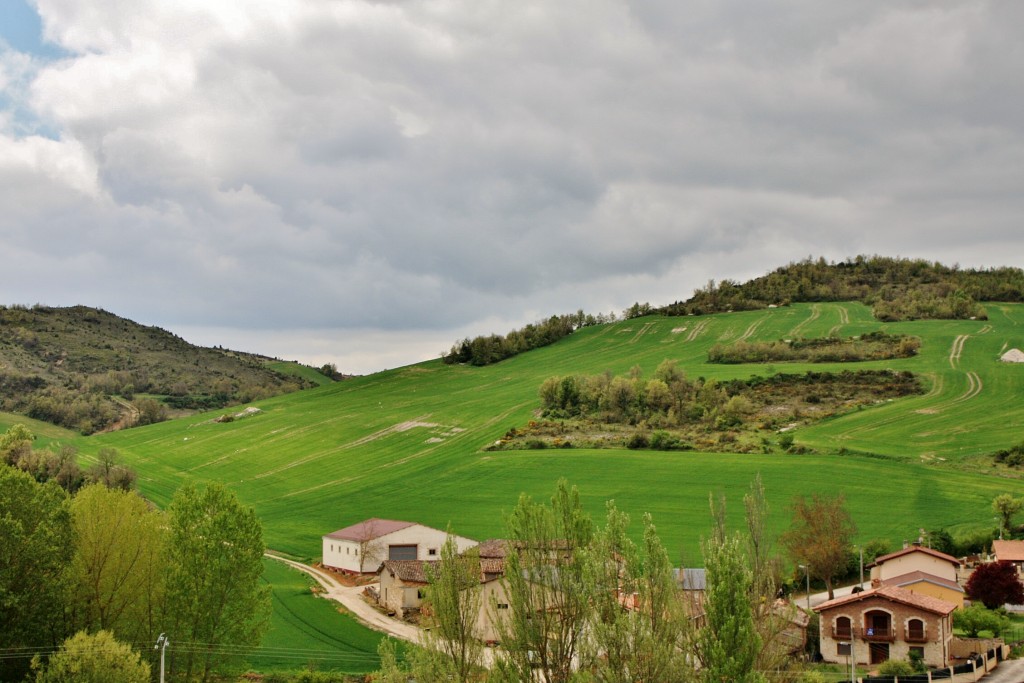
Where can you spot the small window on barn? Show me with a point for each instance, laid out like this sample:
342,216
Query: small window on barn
420,594
432,552
502,605
357,551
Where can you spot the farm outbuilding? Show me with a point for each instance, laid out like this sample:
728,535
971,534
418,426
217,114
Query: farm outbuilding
362,547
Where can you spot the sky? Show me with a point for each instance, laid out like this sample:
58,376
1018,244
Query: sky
365,182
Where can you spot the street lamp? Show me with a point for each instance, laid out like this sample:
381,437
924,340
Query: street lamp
807,575
161,644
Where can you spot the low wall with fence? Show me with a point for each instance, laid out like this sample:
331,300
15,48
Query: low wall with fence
966,672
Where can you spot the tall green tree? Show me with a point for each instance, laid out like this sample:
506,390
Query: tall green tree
727,644
455,598
640,627
547,586
215,598
93,658
35,535
1007,507
117,564
820,536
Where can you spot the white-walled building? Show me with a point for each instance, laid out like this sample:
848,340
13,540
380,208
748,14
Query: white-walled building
362,547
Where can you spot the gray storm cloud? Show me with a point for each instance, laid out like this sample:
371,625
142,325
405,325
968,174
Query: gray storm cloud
347,167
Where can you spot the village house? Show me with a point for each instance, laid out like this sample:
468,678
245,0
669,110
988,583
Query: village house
403,585
362,547
914,558
887,622
1009,551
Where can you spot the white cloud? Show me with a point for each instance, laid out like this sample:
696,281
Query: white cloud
450,166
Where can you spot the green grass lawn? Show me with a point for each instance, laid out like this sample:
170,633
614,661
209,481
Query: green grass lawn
310,632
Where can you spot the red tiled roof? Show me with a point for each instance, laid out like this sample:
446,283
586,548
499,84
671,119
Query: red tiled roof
916,577
895,594
493,547
915,549
1013,551
409,571
369,529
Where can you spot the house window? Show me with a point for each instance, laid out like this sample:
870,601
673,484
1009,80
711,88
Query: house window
843,649
432,552
916,652
420,595
502,605
357,551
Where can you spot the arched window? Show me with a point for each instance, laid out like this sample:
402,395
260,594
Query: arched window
915,630
842,627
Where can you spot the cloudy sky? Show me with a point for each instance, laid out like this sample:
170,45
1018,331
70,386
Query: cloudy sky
364,182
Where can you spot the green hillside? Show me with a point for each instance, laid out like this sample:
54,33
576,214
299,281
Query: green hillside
81,368
408,443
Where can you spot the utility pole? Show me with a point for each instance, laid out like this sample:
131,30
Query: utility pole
161,644
862,566
807,575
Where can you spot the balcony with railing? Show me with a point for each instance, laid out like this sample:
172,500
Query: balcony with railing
842,633
879,634
916,635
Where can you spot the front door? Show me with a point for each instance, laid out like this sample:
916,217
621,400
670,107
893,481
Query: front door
879,652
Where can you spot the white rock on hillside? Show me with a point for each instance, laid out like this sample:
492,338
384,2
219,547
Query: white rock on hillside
1013,356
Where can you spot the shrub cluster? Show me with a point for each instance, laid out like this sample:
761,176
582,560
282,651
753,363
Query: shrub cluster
871,346
485,350
896,288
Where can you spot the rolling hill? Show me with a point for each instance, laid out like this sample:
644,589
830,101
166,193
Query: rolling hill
81,368
409,443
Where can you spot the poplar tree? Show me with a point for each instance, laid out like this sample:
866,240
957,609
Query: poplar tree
547,586
727,645
640,628
455,599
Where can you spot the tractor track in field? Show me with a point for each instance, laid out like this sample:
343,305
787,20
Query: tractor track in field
815,314
974,387
401,461
957,349
643,330
393,429
697,330
844,319
751,329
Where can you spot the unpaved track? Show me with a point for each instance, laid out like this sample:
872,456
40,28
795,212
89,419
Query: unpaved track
815,314
349,597
957,349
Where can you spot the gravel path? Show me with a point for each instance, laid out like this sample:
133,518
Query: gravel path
351,598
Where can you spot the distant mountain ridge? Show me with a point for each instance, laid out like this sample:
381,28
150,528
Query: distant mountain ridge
895,288
87,369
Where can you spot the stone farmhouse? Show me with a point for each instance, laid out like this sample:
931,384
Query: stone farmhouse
887,622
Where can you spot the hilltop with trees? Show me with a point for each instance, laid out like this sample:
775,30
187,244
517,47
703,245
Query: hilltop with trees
895,288
89,370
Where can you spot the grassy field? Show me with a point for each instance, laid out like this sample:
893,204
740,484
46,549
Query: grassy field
307,632
408,443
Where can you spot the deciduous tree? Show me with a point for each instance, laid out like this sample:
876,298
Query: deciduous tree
995,584
35,534
1007,507
727,645
93,658
215,597
117,564
820,536
455,599
548,591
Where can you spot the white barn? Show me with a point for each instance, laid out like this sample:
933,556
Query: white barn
362,547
